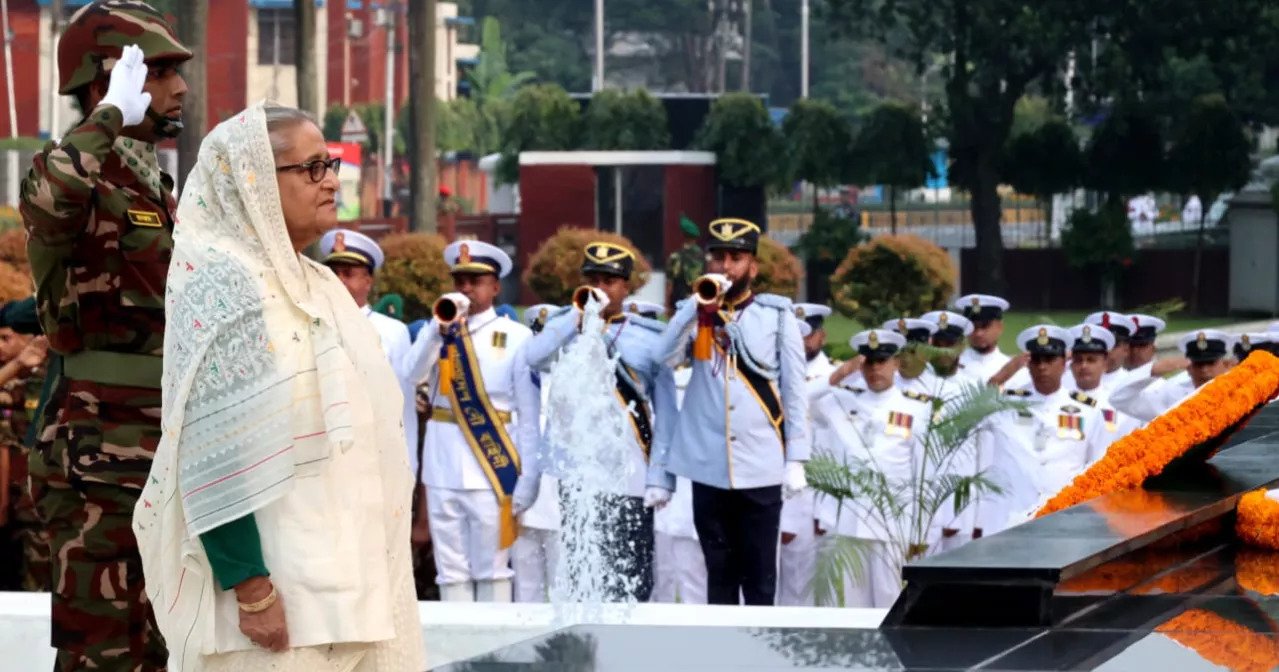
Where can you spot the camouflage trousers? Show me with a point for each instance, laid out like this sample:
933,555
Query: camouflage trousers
25,545
87,470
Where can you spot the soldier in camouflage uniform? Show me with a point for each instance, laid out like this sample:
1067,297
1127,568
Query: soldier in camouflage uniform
685,265
99,217
26,546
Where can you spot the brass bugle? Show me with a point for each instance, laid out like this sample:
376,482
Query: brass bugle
707,291
581,295
446,311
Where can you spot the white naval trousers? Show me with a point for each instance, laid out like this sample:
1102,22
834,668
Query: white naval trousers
464,529
534,558
796,566
880,583
679,570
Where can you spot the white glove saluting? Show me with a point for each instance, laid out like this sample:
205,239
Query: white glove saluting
656,498
794,481
124,92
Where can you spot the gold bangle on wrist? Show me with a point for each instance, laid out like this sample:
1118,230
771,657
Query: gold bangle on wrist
261,605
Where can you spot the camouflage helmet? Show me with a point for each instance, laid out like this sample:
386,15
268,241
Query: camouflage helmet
97,34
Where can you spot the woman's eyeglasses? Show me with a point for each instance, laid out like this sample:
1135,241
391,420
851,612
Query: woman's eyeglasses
315,168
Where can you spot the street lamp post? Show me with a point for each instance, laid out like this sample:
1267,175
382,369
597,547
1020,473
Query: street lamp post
803,49
599,46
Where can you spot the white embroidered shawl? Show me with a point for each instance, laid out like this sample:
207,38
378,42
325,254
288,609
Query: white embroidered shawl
243,313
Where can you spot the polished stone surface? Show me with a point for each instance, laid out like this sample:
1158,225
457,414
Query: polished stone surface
1020,566
1203,608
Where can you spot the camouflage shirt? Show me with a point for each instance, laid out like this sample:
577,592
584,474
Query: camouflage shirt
683,267
99,216
19,399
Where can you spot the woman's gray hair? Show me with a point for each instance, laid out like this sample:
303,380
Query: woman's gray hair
279,119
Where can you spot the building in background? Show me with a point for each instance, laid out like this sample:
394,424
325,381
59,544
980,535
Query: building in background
250,57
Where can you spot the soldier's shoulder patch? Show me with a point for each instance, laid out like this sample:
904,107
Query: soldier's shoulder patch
775,301
918,396
1083,398
1017,393
655,326
144,218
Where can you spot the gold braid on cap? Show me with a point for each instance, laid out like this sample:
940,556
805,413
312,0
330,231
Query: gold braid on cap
731,229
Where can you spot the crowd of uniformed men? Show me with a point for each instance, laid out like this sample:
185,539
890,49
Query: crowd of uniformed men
727,401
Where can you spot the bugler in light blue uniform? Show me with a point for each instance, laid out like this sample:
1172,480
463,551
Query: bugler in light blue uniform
635,339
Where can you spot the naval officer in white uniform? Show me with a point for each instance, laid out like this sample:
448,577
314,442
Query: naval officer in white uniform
472,463
356,258
1037,451
798,556
879,428
982,358
1147,398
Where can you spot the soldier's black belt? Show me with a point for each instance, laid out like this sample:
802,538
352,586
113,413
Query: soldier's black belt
114,368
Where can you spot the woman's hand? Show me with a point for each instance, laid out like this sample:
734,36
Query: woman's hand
265,628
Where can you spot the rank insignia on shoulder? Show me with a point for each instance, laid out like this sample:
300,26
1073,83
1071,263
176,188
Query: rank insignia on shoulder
854,390
918,396
1083,398
144,218
499,340
1017,393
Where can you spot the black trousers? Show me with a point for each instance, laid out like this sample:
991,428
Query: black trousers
738,530
628,550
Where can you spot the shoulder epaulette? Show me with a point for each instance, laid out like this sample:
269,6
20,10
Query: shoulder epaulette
1017,393
854,390
1083,398
918,396
655,326
776,301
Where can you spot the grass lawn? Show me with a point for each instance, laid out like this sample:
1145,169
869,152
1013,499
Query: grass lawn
840,329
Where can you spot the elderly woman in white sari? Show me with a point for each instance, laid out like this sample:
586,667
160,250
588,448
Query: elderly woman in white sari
274,529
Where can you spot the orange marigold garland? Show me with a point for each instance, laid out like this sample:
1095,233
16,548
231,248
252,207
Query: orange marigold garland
1212,410
1223,642
1257,520
1257,572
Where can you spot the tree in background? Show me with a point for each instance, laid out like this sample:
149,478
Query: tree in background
825,244
1099,242
817,140
421,115
617,120
746,145
891,149
779,269
1125,156
1210,154
543,117
308,84
1043,162
893,276
555,269
415,270
192,27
